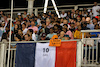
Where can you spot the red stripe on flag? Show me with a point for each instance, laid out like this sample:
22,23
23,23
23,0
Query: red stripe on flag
66,54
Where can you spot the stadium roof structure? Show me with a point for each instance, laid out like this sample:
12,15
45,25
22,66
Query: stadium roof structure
40,3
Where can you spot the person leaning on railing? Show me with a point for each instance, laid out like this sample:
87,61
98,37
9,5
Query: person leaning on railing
78,33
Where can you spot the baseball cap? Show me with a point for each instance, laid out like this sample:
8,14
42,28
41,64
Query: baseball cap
19,14
43,35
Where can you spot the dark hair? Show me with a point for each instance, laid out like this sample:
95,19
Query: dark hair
56,25
0,25
24,24
31,30
20,29
51,28
65,25
96,25
27,35
96,19
4,36
58,22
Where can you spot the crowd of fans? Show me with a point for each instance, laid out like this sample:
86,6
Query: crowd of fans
26,27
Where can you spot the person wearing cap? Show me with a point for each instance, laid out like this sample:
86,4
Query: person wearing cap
43,36
95,9
19,14
89,24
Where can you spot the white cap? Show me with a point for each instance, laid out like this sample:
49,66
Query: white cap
89,10
19,14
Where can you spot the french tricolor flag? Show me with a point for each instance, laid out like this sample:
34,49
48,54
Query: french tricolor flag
43,55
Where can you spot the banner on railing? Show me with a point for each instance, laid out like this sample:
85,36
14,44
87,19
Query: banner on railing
43,55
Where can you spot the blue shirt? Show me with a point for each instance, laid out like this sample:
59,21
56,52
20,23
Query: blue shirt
51,35
91,26
96,33
1,32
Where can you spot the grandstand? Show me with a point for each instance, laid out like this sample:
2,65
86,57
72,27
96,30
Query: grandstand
75,22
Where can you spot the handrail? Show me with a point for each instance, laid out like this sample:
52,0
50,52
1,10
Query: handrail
49,7
84,31
38,41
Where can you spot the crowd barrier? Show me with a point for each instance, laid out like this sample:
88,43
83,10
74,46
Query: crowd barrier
89,52
86,55
4,54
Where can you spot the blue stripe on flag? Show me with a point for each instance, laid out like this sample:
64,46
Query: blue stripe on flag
25,54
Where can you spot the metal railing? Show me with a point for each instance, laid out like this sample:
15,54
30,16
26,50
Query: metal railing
12,57
89,52
87,55
40,9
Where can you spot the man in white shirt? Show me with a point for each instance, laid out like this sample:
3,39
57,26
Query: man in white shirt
63,15
95,9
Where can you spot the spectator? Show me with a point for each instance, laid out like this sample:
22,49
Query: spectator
4,36
56,29
63,15
78,34
35,29
25,14
1,32
63,36
58,24
43,37
65,22
18,22
68,32
43,29
72,28
49,25
32,34
95,21
28,37
95,34
50,35
99,20
16,29
24,29
95,9
84,26
89,24
19,36
69,14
